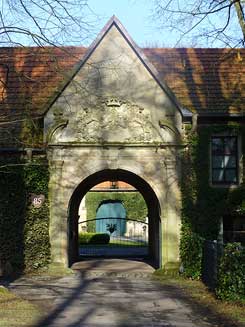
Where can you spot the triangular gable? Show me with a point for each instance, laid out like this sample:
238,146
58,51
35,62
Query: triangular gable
114,21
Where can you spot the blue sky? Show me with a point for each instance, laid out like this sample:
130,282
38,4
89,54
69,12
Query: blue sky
135,16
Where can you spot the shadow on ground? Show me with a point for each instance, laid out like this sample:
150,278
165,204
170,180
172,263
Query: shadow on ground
101,295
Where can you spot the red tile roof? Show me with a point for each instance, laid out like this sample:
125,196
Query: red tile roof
201,79
29,77
119,185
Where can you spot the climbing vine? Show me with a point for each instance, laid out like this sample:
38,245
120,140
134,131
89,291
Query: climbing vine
24,240
204,205
36,227
231,280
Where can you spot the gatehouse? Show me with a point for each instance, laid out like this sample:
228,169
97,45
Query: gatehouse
114,120
167,122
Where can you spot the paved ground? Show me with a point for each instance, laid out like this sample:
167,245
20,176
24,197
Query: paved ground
114,267
125,251
108,293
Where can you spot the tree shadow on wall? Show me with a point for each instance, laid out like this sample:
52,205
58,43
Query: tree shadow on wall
28,78
210,80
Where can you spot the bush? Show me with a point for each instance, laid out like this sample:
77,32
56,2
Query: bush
94,238
191,247
231,276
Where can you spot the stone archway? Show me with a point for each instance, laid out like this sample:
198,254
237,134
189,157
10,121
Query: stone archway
114,115
141,185
153,171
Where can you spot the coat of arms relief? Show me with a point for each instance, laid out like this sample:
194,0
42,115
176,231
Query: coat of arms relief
111,121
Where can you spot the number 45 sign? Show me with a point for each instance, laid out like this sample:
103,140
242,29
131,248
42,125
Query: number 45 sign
37,200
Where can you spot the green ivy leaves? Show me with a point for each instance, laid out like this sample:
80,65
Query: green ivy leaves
231,279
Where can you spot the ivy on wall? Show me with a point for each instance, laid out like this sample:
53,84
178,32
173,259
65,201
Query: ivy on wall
12,212
30,127
203,205
231,280
24,238
36,227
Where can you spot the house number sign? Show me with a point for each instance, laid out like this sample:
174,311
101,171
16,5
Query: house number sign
37,200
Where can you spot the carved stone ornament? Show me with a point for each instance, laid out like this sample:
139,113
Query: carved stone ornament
59,122
111,121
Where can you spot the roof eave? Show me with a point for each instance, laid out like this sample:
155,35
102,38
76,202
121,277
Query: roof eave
220,114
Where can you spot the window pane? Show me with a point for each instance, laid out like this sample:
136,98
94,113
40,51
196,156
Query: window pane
218,175
217,145
230,161
230,145
230,176
218,161
224,159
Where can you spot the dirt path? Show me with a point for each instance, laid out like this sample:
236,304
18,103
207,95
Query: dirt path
97,300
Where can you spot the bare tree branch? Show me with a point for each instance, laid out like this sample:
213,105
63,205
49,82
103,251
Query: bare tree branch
38,23
54,21
221,20
241,17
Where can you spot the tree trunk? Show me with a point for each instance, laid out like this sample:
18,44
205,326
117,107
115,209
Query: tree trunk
241,17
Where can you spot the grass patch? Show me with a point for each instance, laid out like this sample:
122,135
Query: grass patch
15,311
198,292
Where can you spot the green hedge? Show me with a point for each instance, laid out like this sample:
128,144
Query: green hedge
24,236
133,202
94,238
191,249
231,277
203,206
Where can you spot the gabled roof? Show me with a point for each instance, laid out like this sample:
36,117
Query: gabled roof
114,21
30,76
203,80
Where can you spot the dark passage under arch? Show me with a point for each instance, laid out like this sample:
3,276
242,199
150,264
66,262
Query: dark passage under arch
140,184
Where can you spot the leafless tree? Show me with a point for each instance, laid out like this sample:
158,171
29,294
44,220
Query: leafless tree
214,22
42,22
39,23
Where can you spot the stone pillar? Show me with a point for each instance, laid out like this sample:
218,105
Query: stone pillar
172,217
58,215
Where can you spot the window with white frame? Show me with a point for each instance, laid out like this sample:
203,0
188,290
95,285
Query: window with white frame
224,164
